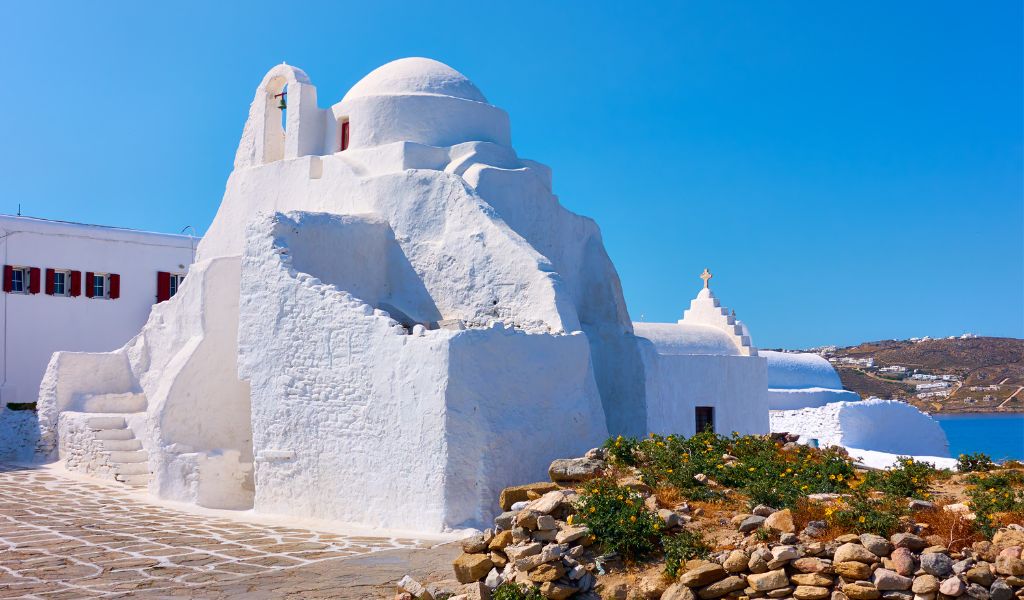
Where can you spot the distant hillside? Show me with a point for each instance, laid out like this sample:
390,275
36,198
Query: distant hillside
983,374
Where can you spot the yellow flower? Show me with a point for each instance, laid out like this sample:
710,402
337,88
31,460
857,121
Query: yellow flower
829,511
720,467
593,509
670,470
782,475
751,469
803,487
568,520
593,491
789,470
832,477
861,519
620,497
633,519
839,478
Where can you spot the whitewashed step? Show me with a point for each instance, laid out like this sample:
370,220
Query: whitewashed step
137,468
114,435
98,423
135,456
122,445
136,480
111,403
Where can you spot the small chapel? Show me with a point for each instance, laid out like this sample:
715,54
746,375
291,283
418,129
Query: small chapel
390,319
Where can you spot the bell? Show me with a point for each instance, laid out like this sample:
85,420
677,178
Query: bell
282,105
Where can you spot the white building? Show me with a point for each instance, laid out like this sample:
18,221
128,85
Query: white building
73,287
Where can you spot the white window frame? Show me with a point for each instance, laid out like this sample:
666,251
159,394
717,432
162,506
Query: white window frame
106,285
175,283
66,284
26,279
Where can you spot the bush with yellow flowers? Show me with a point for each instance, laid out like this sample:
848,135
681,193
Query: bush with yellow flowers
617,518
860,513
909,478
994,493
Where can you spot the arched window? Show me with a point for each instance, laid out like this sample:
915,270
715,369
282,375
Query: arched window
343,133
274,121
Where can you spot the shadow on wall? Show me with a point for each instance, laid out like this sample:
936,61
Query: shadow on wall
359,254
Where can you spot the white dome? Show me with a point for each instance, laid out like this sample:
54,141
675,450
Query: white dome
408,76
673,339
792,370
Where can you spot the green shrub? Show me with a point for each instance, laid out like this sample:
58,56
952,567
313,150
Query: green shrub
908,479
863,514
622,450
681,547
617,518
513,591
970,463
995,493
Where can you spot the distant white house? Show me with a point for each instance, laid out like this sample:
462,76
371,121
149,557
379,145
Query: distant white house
893,369
70,286
938,385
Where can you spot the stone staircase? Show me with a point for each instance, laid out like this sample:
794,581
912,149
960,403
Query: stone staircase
127,460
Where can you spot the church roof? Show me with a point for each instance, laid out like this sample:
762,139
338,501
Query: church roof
679,338
795,370
415,75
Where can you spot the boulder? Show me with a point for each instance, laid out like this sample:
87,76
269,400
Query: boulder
810,592
549,571
751,523
678,591
952,587
854,552
652,585
499,541
758,562
1007,565
780,593
520,551
519,493
765,582
939,565
980,575
414,588
547,503
781,555
556,591
811,579
722,587
704,574
575,469
903,561
571,534
977,592
878,545
781,521
908,540
852,570
925,584
1004,538
856,591
884,580
1000,590
809,564
762,511
736,562
472,567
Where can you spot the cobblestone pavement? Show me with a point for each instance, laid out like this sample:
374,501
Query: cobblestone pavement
65,538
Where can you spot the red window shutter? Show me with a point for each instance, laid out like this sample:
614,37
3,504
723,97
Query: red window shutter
115,286
8,278
49,281
76,284
344,135
88,284
33,280
163,286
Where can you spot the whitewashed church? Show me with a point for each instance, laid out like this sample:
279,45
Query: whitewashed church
391,303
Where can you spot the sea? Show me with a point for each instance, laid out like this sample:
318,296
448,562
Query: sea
1001,436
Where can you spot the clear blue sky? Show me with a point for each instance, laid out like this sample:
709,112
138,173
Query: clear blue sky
848,170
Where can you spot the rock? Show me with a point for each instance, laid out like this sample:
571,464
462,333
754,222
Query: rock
1012,552
670,518
447,587
811,579
678,591
751,523
924,596
414,588
549,571
779,593
852,570
519,493
903,561
878,545
499,559
403,596
782,555
781,521
810,565
758,562
493,579
547,503
897,595
838,595
1000,590
571,534
854,552
925,584
789,539
810,592
962,566
652,586
916,505
736,562
908,540
475,543
936,549
765,582
614,592
474,591
520,551
939,565
985,550
980,575
1007,565
884,580
527,519
723,587
499,541
504,520
1004,538
952,587
556,591
861,592
847,538
705,574
472,567
575,469
1015,581
546,523
977,592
